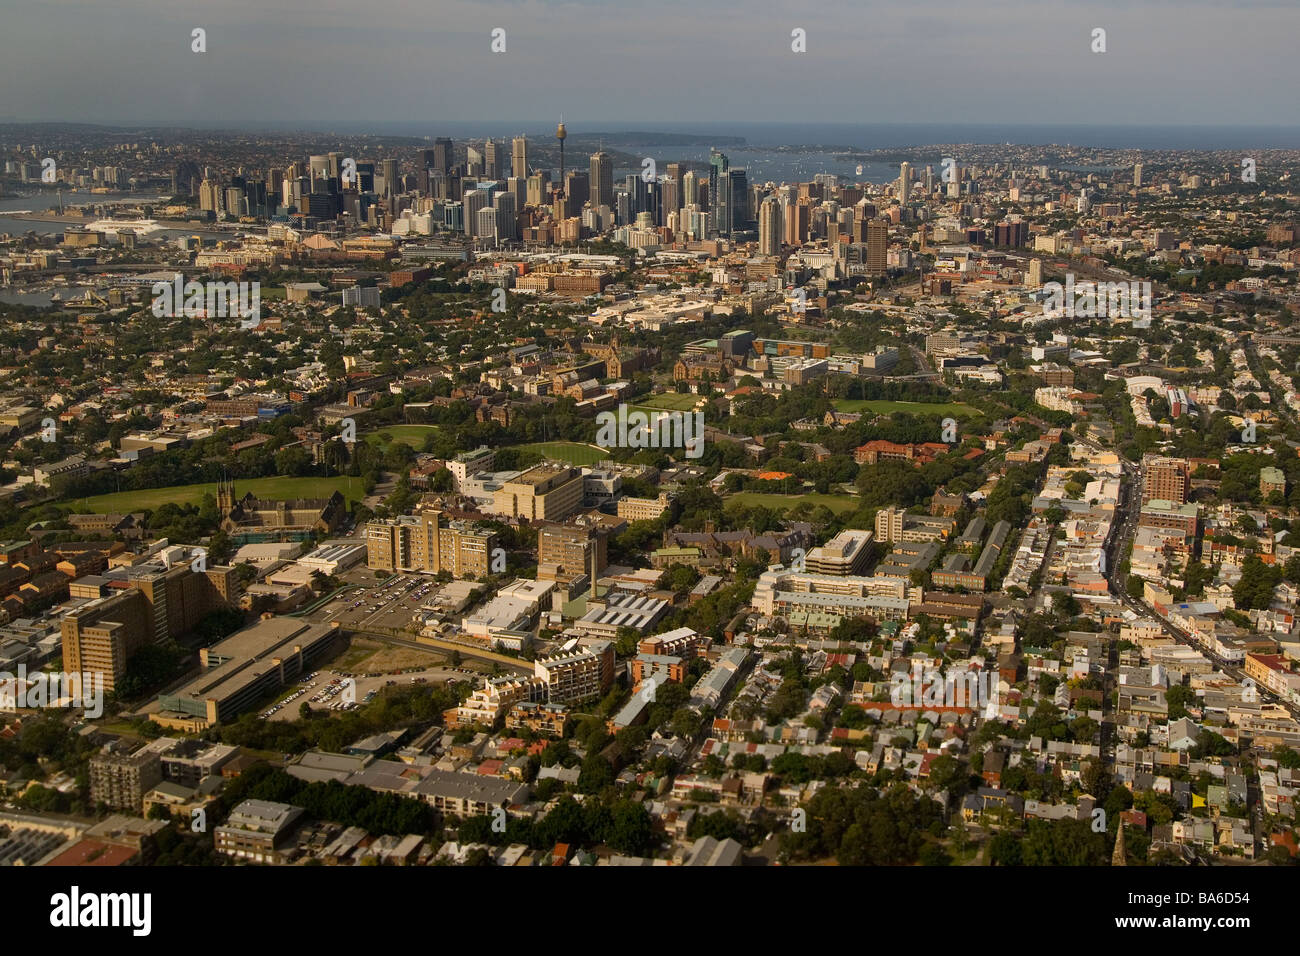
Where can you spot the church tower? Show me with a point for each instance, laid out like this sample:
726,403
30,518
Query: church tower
225,497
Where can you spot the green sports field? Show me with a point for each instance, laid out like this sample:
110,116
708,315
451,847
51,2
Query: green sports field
886,407
572,452
124,502
671,401
412,435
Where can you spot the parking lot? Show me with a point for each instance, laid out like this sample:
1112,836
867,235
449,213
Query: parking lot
388,604
325,690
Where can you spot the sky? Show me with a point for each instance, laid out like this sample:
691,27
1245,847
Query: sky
627,64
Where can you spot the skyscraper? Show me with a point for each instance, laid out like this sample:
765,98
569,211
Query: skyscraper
797,219
577,189
475,199
904,181
491,165
877,246
517,186
506,221
519,157
738,206
1137,175
428,161
638,194
388,169
690,188
209,196
719,193
443,154
486,223
769,227
601,180
675,174
671,191
366,176
538,186
473,162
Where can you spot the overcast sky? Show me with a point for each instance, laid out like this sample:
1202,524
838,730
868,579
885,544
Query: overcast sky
603,62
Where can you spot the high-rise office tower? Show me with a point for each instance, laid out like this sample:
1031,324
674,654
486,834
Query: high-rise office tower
601,180
366,176
255,193
485,226
638,194
1137,175
671,191
428,159
690,188
474,200
388,169
473,162
519,157
453,216
209,196
334,165
517,186
739,205
576,189
236,204
877,246
319,166
654,201
675,173
769,227
507,224
719,193
444,153
798,219
904,182
539,185
491,160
